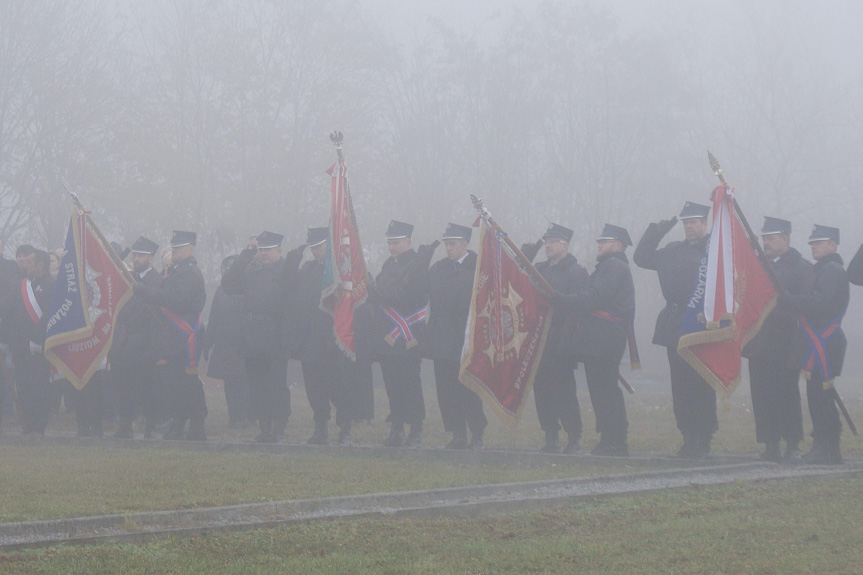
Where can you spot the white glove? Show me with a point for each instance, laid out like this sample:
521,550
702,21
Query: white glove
35,348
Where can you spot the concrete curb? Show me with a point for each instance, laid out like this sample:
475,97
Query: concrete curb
488,456
457,501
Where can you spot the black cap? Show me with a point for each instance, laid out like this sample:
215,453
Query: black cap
398,230
775,226
610,232
180,239
317,236
558,231
144,246
457,232
820,233
693,210
269,240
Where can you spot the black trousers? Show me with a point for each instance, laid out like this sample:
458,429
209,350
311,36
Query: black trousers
32,379
556,399
89,401
694,400
325,385
237,398
185,391
460,407
404,389
606,398
270,397
137,391
826,424
775,400
359,380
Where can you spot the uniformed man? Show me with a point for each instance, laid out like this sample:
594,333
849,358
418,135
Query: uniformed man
821,310
400,297
450,287
133,353
26,324
677,265
605,309
315,346
264,278
10,281
554,385
774,371
180,299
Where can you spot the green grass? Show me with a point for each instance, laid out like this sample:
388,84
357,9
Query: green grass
53,482
767,528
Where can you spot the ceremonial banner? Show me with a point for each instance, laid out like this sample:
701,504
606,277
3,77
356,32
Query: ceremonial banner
731,298
506,328
91,289
345,274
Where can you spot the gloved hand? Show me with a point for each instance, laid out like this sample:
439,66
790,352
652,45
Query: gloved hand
530,250
35,348
427,250
666,225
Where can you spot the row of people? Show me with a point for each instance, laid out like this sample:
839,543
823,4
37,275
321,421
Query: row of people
266,311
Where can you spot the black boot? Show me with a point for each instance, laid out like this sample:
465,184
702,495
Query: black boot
345,434
792,453
552,443
459,440
702,445
279,426
824,452
124,429
611,447
321,436
688,448
772,452
266,434
397,436
573,445
416,435
475,441
177,429
196,430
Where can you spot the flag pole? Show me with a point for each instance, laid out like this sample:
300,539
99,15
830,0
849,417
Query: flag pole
753,239
523,262
108,247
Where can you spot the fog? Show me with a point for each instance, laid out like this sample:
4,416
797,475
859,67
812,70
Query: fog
213,116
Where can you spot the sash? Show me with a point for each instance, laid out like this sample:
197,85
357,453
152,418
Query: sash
191,339
402,325
634,359
29,297
818,350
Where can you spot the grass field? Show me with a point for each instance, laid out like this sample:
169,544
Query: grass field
777,528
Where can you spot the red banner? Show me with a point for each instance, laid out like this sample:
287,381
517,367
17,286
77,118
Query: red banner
731,298
506,330
345,274
89,293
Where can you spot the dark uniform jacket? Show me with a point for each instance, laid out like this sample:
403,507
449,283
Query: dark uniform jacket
184,294
780,337
135,341
450,286
10,289
609,290
314,342
677,265
401,284
224,336
565,277
855,268
20,327
827,300
265,291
